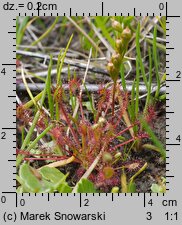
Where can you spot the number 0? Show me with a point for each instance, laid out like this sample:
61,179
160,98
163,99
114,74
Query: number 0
22,202
29,5
161,6
3,199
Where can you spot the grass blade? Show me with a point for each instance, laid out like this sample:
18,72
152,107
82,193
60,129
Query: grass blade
137,88
139,55
154,138
45,34
147,103
48,88
62,61
31,130
20,29
156,62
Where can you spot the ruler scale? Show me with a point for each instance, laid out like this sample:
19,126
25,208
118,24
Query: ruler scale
108,208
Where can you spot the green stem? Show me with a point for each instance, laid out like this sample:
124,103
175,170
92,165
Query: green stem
32,145
36,98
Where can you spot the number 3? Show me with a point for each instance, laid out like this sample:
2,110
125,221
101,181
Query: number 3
149,216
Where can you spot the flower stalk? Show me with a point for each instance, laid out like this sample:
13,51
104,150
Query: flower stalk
117,58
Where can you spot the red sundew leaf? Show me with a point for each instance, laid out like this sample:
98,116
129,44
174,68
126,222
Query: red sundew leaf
134,165
42,122
139,136
150,114
74,86
42,159
56,132
52,156
23,114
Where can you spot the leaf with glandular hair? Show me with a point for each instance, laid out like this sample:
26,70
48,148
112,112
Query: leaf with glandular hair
86,186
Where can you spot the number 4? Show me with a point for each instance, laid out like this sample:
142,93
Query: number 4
178,138
150,202
3,71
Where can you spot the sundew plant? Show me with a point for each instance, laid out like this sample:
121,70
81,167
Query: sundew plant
90,104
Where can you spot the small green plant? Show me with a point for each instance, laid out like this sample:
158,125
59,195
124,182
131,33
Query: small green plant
44,180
